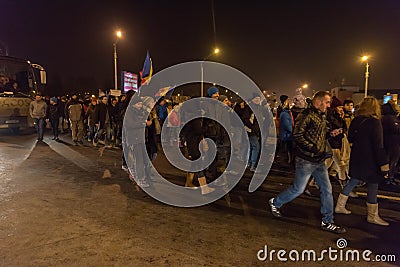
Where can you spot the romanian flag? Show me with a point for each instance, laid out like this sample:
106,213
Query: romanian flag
147,72
165,91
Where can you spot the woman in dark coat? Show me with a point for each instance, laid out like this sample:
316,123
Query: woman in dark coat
391,137
367,159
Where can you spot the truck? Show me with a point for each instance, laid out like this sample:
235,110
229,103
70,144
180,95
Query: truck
20,80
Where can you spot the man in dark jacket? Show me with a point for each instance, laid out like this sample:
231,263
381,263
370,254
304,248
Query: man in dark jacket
102,119
253,130
312,149
391,138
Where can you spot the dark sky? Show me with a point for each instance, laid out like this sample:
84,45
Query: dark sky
279,44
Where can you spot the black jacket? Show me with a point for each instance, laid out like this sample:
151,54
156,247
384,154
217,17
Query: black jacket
367,152
102,115
391,130
53,112
336,122
310,133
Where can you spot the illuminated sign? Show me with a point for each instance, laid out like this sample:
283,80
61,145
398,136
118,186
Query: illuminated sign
129,81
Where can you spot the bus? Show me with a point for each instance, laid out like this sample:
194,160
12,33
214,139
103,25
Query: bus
20,80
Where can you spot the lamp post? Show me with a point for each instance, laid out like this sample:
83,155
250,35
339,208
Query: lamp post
365,59
215,52
119,35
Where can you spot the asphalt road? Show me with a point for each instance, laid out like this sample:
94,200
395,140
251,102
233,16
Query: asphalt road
64,205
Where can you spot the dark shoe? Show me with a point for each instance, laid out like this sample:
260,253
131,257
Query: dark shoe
274,210
330,227
54,138
75,143
57,139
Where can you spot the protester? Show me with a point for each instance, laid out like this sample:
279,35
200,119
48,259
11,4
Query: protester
90,119
368,160
391,138
74,110
37,111
286,124
253,130
53,115
103,121
311,151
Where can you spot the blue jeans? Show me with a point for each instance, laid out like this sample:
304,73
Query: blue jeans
304,170
39,124
254,150
371,193
54,127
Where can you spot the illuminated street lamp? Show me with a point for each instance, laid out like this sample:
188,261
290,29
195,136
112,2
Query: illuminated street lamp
365,59
304,86
119,35
215,52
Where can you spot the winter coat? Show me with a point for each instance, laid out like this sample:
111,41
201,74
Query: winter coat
53,112
348,117
336,122
90,115
285,126
134,126
37,109
102,115
115,113
367,152
250,120
74,110
391,130
310,131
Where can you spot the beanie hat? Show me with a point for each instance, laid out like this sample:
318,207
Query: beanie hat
54,99
222,98
283,98
254,95
336,102
212,90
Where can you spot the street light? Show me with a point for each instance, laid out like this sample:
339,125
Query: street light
215,52
304,86
365,59
119,35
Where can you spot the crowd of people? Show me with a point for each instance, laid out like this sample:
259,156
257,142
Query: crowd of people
323,138
357,145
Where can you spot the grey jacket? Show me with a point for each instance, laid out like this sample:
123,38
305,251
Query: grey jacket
37,109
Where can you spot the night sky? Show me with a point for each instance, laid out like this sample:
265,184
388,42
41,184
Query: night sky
279,44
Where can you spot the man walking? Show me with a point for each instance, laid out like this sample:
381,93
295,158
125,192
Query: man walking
311,150
37,110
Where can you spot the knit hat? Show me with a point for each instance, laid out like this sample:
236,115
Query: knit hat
212,90
336,102
222,98
54,99
254,95
283,98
